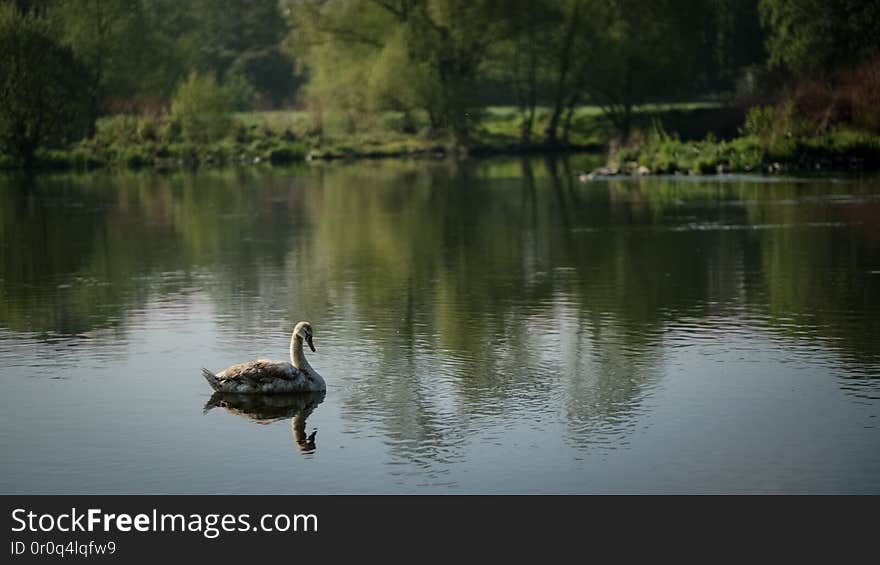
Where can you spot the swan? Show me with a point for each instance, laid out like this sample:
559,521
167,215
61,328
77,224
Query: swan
270,377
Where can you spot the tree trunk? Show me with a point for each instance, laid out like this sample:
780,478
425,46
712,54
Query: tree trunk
27,150
528,96
626,101
526,126
569,116
626,123
562,77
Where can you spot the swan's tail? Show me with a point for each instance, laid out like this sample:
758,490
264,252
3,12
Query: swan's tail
211,378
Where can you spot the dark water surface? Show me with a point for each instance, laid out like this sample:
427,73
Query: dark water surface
483,327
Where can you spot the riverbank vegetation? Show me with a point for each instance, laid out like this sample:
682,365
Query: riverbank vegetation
827,118
135,83
815,128
285,136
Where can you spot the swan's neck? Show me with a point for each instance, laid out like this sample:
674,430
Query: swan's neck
297,357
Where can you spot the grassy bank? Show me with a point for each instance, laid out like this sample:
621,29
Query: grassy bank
284,137
834,150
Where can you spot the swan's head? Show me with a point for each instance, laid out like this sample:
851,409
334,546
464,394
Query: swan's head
304,331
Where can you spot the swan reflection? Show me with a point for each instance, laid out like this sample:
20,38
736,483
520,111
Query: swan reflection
265,409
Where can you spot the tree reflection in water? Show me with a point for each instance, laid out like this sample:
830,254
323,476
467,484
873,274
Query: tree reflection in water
466,293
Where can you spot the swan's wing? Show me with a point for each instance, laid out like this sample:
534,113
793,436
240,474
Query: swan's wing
260,371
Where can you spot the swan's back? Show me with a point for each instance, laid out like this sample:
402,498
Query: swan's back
261,370
263,376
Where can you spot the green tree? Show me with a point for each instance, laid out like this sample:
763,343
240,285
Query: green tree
339,44
732,40
118,45
42,93
574,44
443,42
453,38
648,53
818,37
235,38
521,64
137,51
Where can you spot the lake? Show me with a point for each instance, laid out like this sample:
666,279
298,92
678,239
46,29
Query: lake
489,326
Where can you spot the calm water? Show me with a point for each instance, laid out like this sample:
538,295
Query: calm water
483,327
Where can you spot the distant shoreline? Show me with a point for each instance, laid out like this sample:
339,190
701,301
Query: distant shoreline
282,138
185,156
712,158
288,137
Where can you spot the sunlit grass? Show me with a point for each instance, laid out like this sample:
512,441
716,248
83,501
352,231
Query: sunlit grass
497,124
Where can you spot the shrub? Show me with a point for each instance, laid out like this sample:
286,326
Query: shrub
170,130
187,153
284,153
149,128
812,107
776,125
119,130
136,157
202,108
52,159
84,158
860,89
398,122
759,121
217,153
241,133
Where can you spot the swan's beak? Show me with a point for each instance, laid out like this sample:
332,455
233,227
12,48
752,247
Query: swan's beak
311,345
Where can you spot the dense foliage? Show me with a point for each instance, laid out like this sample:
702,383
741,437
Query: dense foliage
41,88
432,71
819,37
450,58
